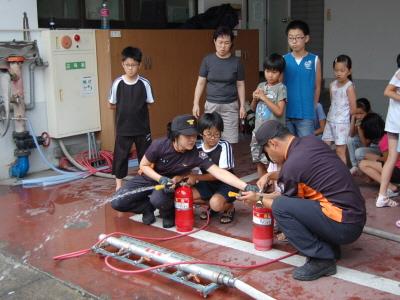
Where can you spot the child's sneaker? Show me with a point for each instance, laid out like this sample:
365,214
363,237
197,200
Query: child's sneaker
391,193
354,171
385,201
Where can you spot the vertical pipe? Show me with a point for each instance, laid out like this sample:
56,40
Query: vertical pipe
17,94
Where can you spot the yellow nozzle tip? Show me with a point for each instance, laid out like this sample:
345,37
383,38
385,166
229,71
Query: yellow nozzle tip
233,194
159,187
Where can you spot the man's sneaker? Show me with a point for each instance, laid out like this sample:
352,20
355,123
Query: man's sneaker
354,171
391,194
148,216
315,268
385,201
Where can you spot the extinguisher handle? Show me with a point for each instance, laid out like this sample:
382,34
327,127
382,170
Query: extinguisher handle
165,181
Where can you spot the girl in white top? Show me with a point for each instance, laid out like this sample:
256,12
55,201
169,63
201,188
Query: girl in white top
392,128
343,105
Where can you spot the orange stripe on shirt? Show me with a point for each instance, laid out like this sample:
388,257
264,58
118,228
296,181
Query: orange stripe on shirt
329,210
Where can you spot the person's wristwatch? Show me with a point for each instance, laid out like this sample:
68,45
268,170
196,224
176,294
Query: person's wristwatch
259,202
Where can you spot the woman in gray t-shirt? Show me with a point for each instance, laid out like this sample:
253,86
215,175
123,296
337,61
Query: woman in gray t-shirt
223,74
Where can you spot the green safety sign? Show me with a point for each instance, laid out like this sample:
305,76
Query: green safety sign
75,65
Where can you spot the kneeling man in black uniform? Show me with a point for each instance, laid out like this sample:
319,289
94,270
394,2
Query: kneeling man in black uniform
320,208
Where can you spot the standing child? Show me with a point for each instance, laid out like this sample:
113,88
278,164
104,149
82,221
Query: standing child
130,95
303,80
343,105
206,186
269,101
393,129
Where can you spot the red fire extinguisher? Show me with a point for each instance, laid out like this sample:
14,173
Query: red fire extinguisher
263,228
184,215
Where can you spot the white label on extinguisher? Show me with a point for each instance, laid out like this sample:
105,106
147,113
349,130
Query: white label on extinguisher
182,205
261,220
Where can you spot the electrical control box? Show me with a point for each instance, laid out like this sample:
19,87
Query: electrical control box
71,82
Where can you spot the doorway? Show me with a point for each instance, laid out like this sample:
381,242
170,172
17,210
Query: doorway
278,12
257,14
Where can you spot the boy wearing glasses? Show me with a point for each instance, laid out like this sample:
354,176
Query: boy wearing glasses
302,78
130,96
206,186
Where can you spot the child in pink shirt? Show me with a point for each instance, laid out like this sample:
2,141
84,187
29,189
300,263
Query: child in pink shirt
372,165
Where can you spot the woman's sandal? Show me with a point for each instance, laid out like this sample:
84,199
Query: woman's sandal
203,214
227,216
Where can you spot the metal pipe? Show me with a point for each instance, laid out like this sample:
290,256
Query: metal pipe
164,256
32,66
27,34
89,144
382,234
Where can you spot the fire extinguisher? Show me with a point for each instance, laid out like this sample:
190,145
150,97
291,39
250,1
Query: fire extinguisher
263,228
184,215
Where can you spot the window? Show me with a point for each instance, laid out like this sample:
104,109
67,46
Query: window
116,7
123,13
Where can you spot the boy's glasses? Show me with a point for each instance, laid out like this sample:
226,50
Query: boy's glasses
295,38
212,135
222,43
130,66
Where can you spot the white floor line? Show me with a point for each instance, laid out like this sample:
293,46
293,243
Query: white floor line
347,274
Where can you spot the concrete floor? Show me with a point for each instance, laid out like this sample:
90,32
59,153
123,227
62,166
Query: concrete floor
40,223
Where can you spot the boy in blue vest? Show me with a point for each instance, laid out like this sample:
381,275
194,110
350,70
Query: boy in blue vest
302,78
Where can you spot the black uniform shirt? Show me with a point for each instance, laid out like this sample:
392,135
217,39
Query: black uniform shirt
313,171
168,162
131,98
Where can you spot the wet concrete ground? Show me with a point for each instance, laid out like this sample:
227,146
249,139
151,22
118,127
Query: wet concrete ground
40,223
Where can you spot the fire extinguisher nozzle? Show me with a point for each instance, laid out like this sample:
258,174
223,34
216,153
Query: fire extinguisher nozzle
159,187
233,194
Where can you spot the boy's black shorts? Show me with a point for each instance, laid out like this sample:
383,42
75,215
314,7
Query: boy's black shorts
208,188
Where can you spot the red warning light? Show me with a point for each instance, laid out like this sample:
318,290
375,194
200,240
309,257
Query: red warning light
77,37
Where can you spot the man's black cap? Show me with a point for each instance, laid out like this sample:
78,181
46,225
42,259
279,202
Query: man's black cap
185,125
268,130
